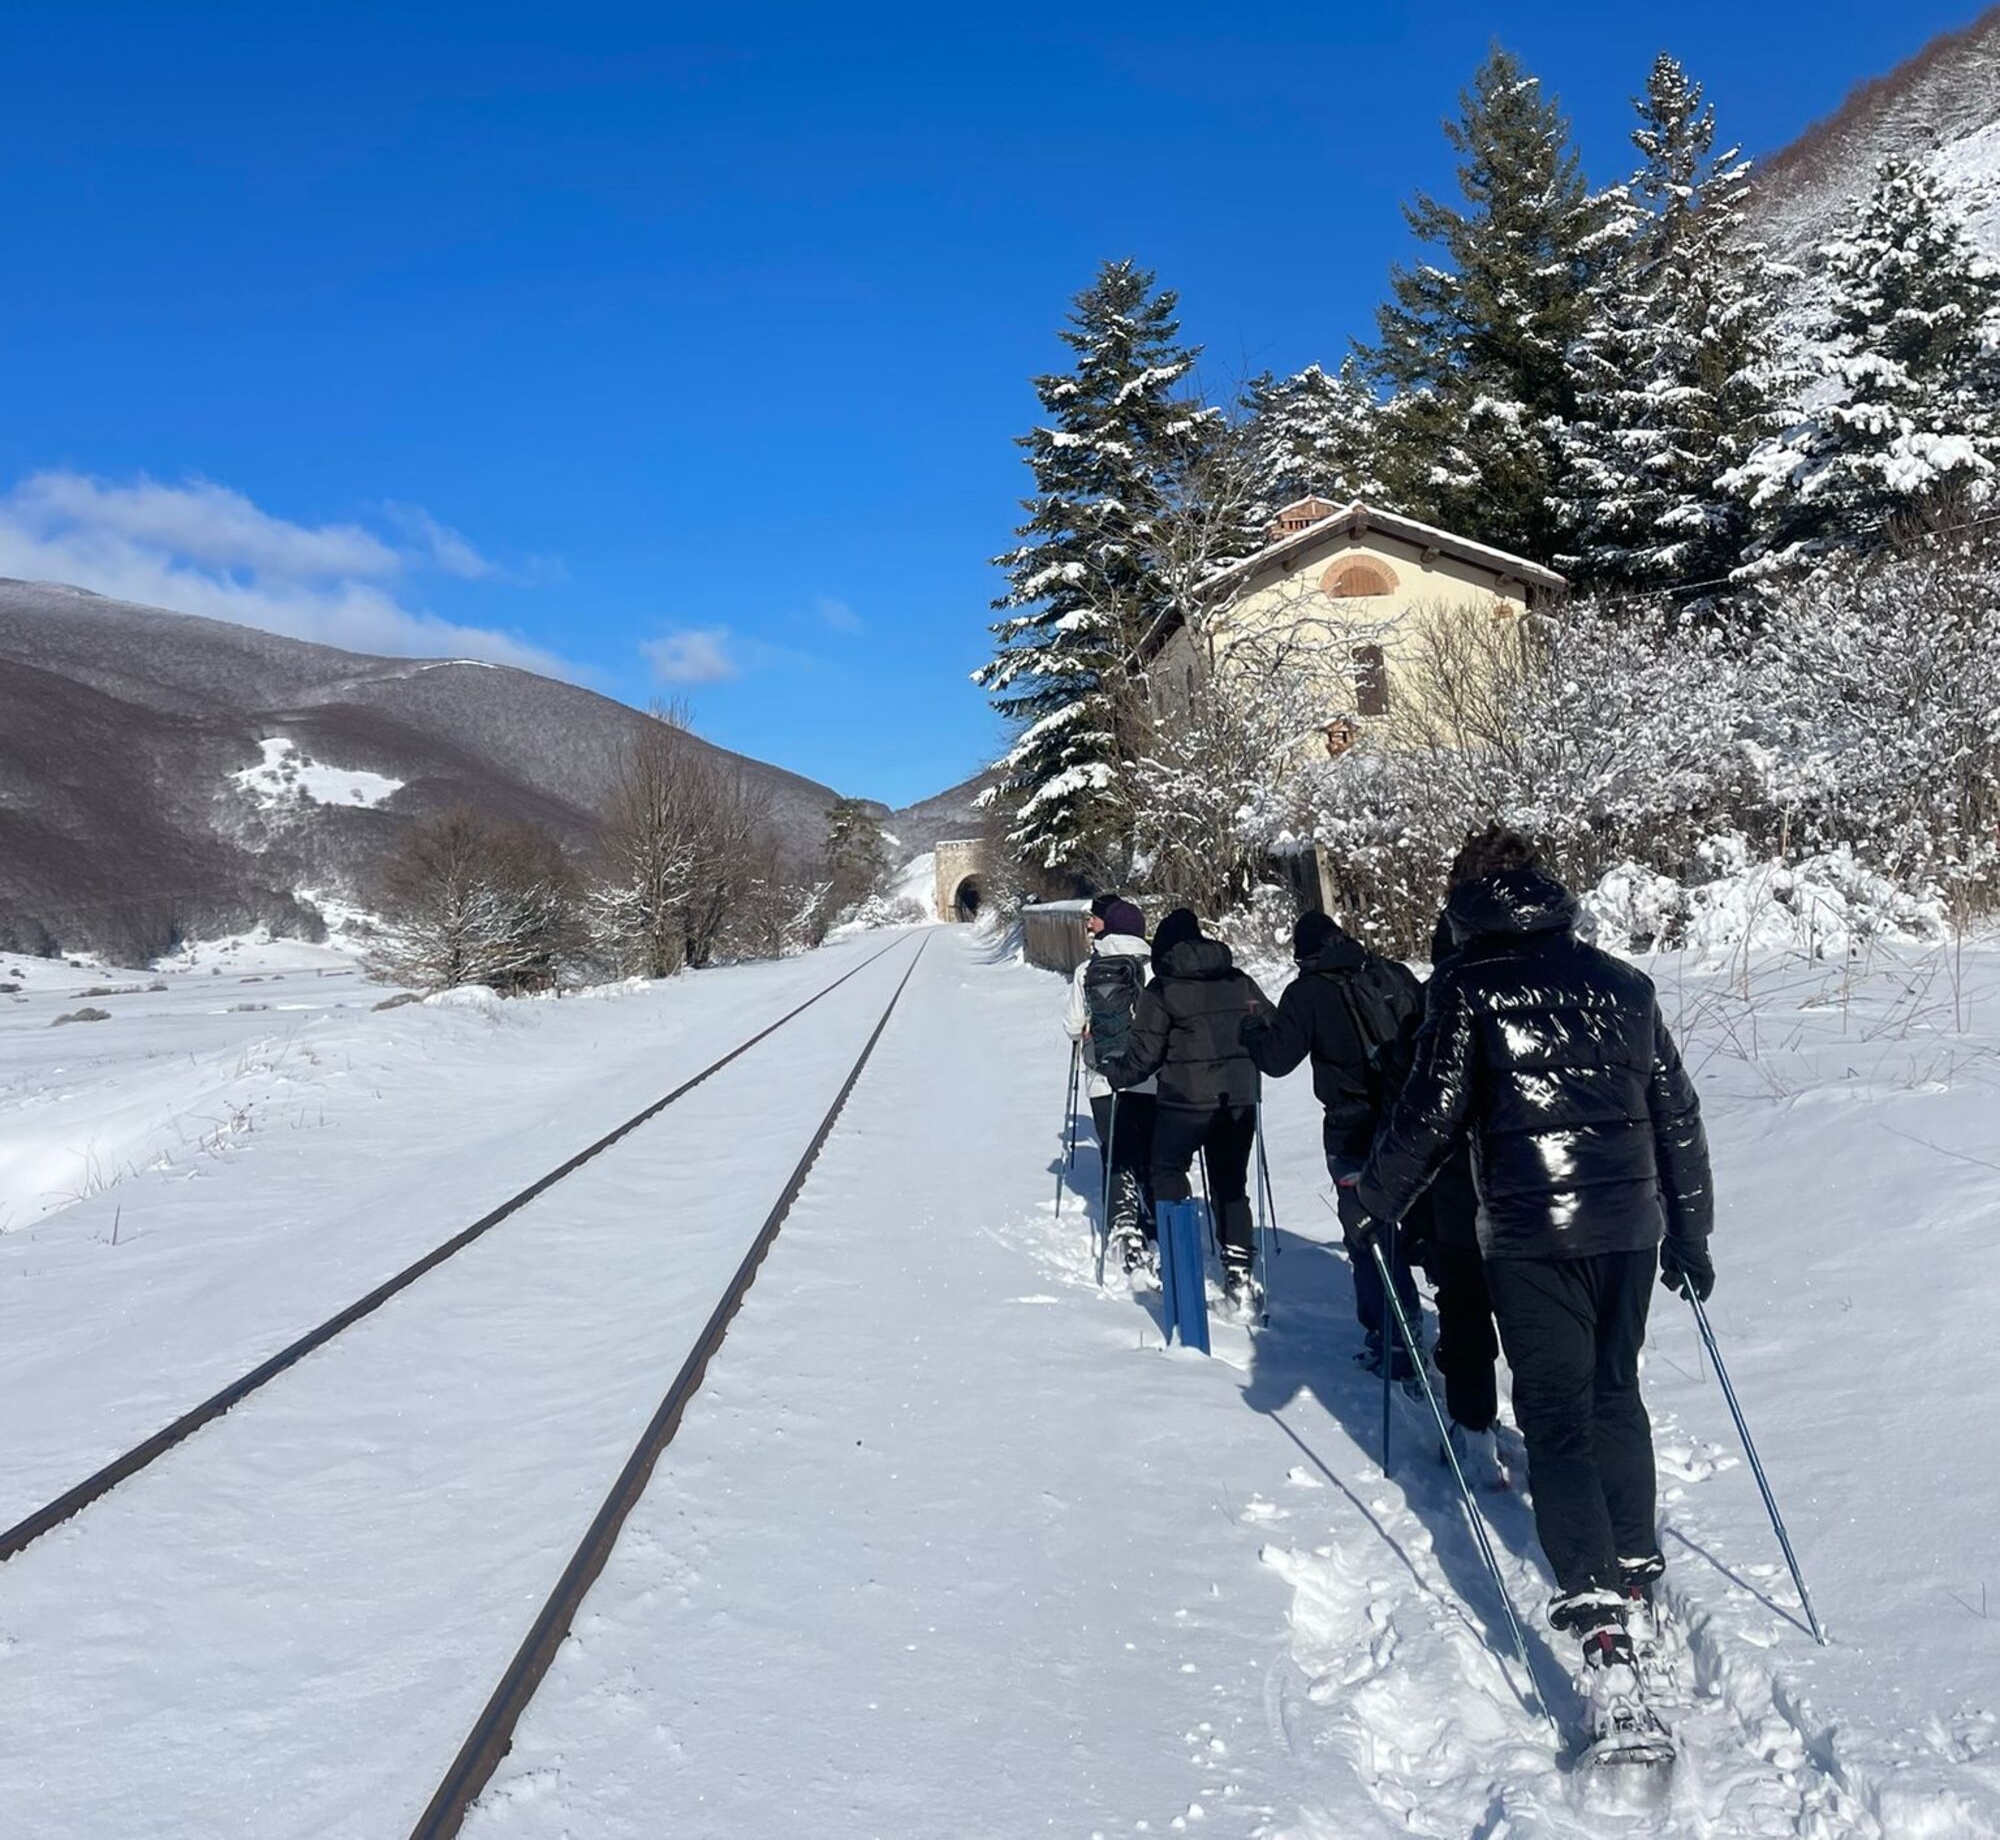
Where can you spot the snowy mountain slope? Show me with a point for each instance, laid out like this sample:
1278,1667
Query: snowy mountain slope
947,814
1942,106
126,821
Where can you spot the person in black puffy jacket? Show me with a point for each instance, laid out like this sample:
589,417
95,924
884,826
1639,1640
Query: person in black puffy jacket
1344,1009
1188,1030
1591,1166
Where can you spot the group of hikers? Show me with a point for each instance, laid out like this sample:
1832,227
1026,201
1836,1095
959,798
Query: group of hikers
1519,1127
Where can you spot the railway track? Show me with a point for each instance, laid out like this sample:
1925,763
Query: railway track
224,1541
122,1468
492,1734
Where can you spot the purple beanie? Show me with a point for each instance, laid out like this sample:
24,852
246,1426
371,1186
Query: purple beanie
1123,917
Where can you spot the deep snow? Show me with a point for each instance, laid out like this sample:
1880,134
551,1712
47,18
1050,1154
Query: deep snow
947,1544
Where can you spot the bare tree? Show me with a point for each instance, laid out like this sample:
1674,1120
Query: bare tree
683,839
648,853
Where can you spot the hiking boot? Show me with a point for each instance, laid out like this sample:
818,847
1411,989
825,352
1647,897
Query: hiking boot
1637,1578
1478,1454
1369,1359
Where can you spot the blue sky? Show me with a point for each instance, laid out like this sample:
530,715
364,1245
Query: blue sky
683,347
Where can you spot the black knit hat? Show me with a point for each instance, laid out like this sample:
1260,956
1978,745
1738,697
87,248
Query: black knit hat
1176,929
1313,933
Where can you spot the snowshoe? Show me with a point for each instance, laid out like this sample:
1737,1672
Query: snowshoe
1621,1729
1478,1454
1138,1258
1240,1294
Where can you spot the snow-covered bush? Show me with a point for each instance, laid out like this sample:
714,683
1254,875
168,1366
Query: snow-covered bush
1831,773
467,900
1824,906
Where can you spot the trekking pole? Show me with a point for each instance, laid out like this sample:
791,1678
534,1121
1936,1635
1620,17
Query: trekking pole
1756,1467
1110,1181
1069,1121
1266,1223
1388,1353
1075,1072
1264,1169
1472,1513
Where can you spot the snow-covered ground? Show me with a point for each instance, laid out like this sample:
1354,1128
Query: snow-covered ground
287,776
947,1544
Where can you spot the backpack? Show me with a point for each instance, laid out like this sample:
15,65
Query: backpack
1384,1015
1111,986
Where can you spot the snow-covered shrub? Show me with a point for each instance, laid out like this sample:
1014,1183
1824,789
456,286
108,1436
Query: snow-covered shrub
471,901
881,910
1824,906
1609,733
1877,687
1832,772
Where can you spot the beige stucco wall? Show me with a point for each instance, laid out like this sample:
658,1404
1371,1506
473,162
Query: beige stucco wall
1285,612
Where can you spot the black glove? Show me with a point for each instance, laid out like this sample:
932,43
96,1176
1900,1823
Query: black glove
1686,1268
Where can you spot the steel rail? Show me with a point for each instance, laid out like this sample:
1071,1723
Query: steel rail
120,1469
492,1734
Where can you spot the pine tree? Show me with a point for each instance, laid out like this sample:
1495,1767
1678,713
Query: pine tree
1907,437
855,861
1113,453
1676,369
1310,435
1474,346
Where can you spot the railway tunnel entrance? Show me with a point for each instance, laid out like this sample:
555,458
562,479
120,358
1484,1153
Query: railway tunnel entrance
961,879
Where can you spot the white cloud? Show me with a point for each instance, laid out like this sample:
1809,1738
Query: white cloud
837,614
693,655
201,548
442,545
202,522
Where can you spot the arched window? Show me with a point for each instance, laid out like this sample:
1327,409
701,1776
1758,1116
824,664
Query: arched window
1357,577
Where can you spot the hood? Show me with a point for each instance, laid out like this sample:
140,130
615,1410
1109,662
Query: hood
1194,958
1320,944
1341,954
1313,934
1517,902
1119,945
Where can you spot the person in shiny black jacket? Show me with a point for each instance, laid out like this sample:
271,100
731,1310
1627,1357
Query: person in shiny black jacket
1188,1029
1590,1163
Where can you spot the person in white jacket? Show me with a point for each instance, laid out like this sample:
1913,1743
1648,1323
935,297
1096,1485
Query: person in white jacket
1099,1016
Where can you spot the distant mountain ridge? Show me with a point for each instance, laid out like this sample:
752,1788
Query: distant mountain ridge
144,798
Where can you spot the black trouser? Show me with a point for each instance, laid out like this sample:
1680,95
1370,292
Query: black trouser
1572,1329
1467,1346
1225,1135
1131,1151
1368,1301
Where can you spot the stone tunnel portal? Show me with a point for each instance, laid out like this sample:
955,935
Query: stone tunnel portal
961,879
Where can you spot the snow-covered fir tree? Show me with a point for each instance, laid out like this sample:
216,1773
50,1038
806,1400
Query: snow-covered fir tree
1901,430
1113,453
1676,369
1310,434
1474,343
